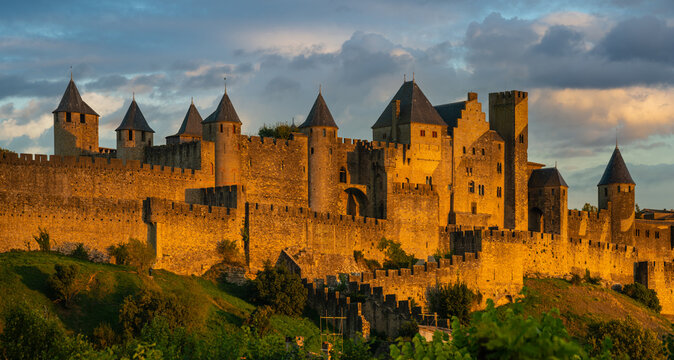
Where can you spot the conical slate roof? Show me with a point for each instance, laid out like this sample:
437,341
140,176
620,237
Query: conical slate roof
319,115
192,123
134,119
414,108
616,171
224,112
546,177
72,101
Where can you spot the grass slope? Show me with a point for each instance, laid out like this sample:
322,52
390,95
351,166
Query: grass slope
23,278
581,304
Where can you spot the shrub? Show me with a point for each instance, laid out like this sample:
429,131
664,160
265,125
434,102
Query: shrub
120,252
644,295
280,289
103,336
260,320
139,310
451,300
80,252
627,339
396,257
66,283
371,264
229,251
28,335
356,348
576,279
42,239
280,130
140,255
408,329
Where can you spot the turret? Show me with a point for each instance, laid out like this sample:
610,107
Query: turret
548,202
509,117
133,134
321,129
190,129
75,125
616,194
224,127
409,118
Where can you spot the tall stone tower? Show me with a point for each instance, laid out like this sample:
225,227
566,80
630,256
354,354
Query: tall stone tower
321,129
133,134
75,125
548,202
509,117
616,194
224,128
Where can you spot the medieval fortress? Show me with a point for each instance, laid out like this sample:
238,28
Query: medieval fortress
434,178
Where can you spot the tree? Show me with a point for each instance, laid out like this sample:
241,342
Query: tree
229,251
66,283
28,335
280,289
80,252
42,239
280,130
589,207
120,252
644,295
139,310
451,300
627,338
396,257
140,255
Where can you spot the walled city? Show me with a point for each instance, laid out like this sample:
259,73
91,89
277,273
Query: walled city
436,179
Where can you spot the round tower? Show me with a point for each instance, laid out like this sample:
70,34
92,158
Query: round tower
321,130
548,202
133,134
224,128
616,194
75,125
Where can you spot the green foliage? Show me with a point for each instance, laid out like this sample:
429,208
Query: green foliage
260,320
589,207
229,252
28,335
356,348
280,289
104,336
396,257
141,309
42,239
66,283
80,252
140,255
408,329
371,264
628,339
455,300
120,252
442,254
280,130
644,295
494,336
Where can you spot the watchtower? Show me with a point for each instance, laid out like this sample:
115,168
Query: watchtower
616,194
548,202
508,116
75,125
133,134
224,128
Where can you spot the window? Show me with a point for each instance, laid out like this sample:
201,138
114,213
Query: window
312,151
423,132
605,191
657,234
464,149
471,187
435,134
82,118
618,188
221,129
521,138
68,117
342,175
130,135
234,129
142,135
553,191
483,152
499,192
648,233
480,189
499,146
324,133
637,232
473,151
499,168
473,208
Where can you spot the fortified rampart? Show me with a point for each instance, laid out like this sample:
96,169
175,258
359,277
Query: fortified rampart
659,276
591,225
196,155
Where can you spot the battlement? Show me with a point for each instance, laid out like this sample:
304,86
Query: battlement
88,207
413,189
580,214
507,97
272,143
602,245
160,207
94,163
325,218
222,196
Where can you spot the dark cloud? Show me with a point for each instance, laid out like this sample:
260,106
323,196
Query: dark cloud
559,41
107,83
647,38
282,86
19,86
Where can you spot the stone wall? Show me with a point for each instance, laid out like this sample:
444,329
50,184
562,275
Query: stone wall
595,226
196,155
654,240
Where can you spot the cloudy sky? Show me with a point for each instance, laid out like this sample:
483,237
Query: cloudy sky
590,67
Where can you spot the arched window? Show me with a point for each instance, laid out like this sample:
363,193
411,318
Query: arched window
471,186
342,175
464,149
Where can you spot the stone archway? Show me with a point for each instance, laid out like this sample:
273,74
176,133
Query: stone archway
536,220
356,203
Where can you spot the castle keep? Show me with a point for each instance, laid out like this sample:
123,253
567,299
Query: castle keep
434,178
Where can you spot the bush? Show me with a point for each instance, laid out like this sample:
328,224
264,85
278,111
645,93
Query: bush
280,130
396,257
42,239
408,329
28,335
576,279
627,339
140,255
80,252
280,289
103,336
229,251
451,300
66,283
371,264
260,320
644,295
139,310
356,348
120,252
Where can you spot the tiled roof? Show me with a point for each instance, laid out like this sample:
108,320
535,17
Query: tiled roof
616,171
72,101
134,119
546,177
224,112
414,108
319,115
191,125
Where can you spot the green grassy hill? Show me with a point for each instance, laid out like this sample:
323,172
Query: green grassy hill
23,280
584,303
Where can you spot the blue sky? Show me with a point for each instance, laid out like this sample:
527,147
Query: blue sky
590,67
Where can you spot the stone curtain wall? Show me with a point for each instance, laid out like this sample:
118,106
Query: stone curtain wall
95,177
97,223
412,214
594,226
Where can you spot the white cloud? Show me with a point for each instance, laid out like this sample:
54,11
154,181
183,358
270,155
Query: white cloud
31,120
